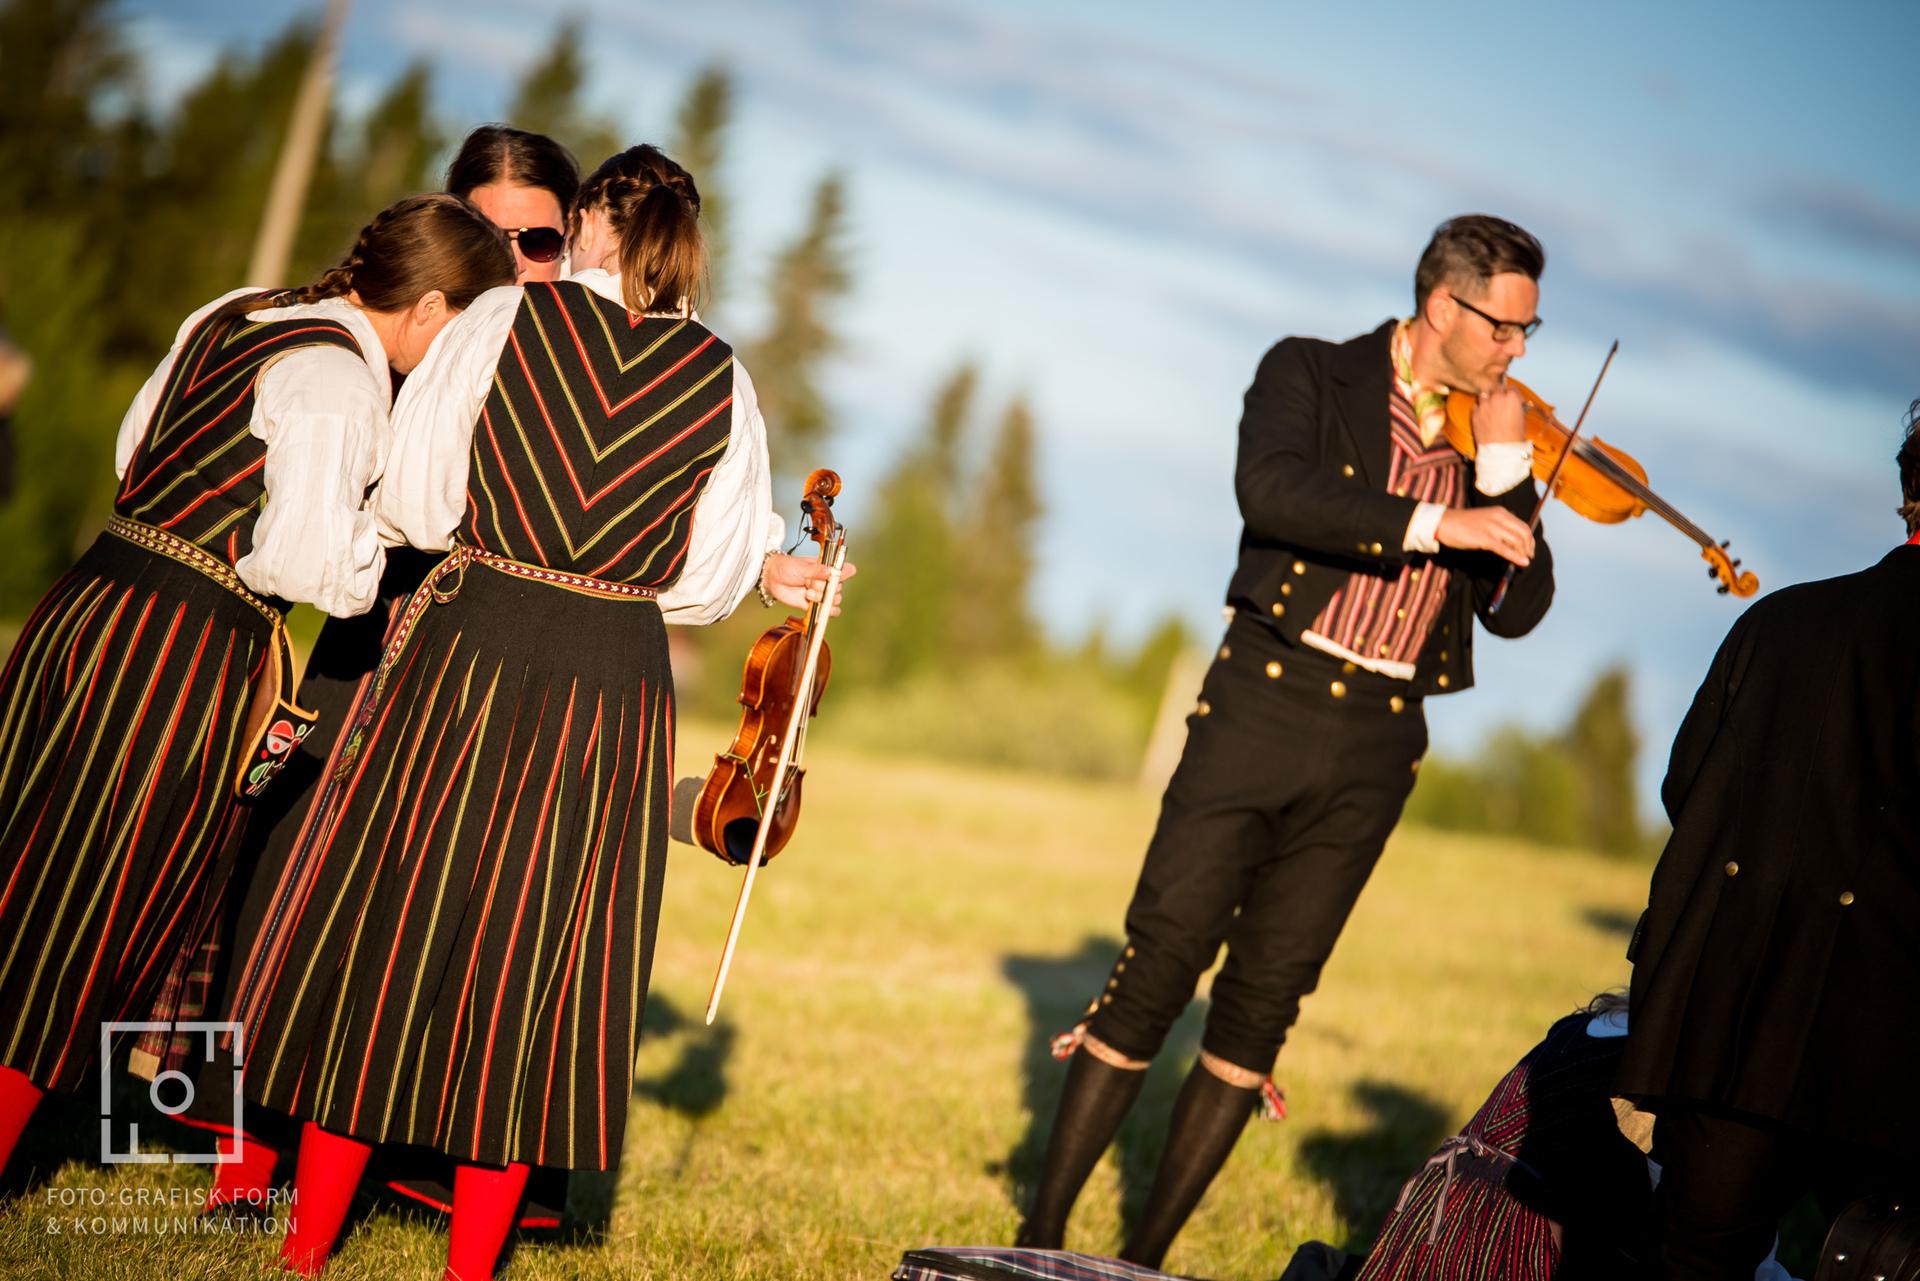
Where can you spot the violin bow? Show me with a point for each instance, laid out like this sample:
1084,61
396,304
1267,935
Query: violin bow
795,723
1546,490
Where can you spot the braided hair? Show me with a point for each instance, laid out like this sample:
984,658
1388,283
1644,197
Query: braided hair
411,248
653,207
1909,460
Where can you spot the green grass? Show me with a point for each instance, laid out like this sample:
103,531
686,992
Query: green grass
878,1079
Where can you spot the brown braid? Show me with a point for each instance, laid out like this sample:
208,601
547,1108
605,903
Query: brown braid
653,206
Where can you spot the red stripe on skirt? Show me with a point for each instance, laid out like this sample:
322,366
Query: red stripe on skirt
486,907
413,883
579,918
126,865
520,909
166,746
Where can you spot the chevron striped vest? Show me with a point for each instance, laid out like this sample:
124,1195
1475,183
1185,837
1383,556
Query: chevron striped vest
200,472
597,438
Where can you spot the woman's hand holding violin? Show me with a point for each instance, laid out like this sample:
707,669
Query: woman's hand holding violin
798,581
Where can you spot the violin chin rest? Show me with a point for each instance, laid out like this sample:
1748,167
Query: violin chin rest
680,809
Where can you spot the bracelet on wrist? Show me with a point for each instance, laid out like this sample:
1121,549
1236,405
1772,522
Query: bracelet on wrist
760,584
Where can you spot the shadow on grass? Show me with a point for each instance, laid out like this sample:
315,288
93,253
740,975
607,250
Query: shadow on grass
1610,920
1365,1169
1057,988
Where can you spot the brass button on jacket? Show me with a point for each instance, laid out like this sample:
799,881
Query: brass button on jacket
1278,609
1338,689
1846,898
1733,868
1273,670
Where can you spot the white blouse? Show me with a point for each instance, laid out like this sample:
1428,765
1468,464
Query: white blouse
423,496
322,412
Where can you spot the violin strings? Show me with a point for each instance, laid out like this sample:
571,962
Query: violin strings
1604,462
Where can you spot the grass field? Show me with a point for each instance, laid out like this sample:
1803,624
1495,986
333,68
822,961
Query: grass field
878,1078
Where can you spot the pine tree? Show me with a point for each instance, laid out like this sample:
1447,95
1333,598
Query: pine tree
993,618
699,139
59,59
908,550
1602,744
547,101
199,209
810,277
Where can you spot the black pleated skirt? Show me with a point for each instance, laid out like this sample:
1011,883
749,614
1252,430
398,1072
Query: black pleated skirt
457,953
121,713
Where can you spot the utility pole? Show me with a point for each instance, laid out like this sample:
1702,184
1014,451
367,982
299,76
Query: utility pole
287,198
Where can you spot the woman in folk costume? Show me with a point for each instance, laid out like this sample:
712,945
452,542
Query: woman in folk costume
524,183
131,706
459,956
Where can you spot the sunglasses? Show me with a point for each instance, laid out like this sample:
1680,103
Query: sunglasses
537,244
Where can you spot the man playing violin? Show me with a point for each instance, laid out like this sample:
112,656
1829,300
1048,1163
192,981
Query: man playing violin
1369,547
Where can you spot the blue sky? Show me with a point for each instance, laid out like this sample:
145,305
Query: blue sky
1117,207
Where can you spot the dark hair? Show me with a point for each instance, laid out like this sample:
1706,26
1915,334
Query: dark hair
1909,460
411,248
654,208
500,153
1471,250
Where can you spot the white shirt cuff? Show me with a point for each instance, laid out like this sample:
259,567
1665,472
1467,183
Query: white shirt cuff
1424,529
1500,466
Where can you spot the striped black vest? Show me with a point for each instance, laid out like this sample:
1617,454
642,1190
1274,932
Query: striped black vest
598,437
200,472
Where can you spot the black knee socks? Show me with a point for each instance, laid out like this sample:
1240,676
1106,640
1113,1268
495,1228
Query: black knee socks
1207,1121
1092,1105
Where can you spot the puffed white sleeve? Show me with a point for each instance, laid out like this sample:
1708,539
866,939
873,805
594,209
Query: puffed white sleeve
734,524
324,421
133,424
423,496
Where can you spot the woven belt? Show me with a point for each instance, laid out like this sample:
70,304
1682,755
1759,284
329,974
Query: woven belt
275,723
441,586
192,555
462,555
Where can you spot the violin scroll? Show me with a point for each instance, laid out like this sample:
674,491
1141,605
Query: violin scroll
1721,566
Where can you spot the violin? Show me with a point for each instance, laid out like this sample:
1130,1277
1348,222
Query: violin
750,803
1599,481
732,802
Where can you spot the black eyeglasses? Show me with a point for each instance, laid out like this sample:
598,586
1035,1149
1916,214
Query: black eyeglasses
1503,330
538,244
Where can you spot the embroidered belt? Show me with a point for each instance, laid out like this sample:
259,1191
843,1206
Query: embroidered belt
462,555
440,588
275,724
192,555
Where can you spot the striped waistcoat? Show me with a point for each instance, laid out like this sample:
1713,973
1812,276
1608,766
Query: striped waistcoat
1389,618
200,472
597,437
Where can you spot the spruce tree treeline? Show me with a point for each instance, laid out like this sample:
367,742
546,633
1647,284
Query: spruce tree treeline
1574,788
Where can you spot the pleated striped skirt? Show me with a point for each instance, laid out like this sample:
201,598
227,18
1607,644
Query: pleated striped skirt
121,712
457,954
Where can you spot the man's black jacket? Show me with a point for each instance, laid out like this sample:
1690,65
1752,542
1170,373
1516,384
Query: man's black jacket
1311,478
